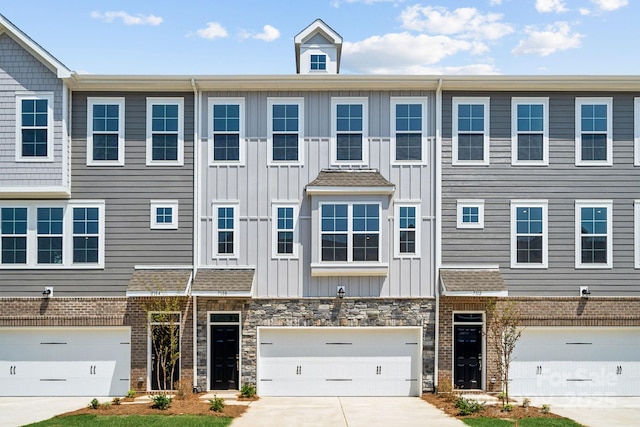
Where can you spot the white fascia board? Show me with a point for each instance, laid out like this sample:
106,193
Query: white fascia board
44,192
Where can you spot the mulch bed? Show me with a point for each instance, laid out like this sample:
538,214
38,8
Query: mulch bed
191,405
446,403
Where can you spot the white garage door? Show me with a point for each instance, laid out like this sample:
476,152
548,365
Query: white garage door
568,361
339,361
64,361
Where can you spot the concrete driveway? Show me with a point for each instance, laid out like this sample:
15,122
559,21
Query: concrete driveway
18,411
595,411
343,412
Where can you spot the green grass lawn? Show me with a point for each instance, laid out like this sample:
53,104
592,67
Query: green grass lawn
525,422
135,420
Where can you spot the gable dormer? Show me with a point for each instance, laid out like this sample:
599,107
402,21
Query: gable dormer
318,49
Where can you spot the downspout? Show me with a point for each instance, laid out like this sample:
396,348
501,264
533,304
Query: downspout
438,224
196,220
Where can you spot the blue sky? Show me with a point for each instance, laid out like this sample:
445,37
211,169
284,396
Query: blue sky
380,36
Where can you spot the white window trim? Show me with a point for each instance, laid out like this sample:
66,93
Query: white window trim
579,204
608,101
456,101
20,96
67,234
335,101
422,100
514,131
154,204
271,101
91,101
396,228
636,131
515,204
636,233
241,139
174,100
350,233
236,230
468,203
275,229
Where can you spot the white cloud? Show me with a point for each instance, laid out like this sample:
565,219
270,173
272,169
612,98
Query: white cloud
268,34
551,39
213,30
336,3
495,2
547,6
584,11
403,53
610,5
467,22
126,18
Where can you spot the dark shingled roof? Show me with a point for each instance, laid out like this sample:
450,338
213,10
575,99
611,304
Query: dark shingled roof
238,280
469,280
159,280
349,178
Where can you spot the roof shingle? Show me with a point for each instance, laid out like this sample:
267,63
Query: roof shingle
159,281
469,280
230,280
350,178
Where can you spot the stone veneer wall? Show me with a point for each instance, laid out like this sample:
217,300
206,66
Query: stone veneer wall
316,312
96,311
534,311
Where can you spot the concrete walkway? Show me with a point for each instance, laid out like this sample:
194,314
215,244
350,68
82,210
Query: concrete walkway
343,412
18,411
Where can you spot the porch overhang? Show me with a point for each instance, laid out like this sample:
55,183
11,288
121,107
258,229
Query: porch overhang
223,282
154,281
472,282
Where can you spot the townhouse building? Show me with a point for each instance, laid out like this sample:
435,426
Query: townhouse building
316,233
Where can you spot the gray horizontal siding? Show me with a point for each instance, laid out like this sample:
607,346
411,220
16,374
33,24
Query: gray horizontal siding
561,183
20,71
126,191
256,185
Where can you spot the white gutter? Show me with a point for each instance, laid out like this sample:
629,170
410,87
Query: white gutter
438,222
196,220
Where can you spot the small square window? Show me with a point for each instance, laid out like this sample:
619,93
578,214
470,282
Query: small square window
164,214
318,62
470,214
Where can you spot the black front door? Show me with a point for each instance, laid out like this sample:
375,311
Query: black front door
224,357
468,357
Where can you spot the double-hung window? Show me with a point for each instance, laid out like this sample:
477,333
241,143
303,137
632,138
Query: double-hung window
226,124
34,127
529,234
105,131
594,140
13,229
407,127
165,131
350,232
349,130
470,138
594,234
470,214
407,229
318,62
284,230
530,131
52,235
164,215
225,219
285,127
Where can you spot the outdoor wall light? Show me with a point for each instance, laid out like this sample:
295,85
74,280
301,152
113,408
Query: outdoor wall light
48,292
584,291
341,291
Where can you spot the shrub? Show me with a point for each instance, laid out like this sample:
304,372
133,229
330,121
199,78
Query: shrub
131,394
94,404
468,406
526,402
508,407
105,405
546,408
116,401
248,391
161,402
216,404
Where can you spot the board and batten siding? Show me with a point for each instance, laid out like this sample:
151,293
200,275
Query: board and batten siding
22,72
126,191
561,183
256,184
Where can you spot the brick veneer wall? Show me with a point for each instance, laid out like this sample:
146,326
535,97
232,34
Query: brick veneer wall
316,312
95,311
534,311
